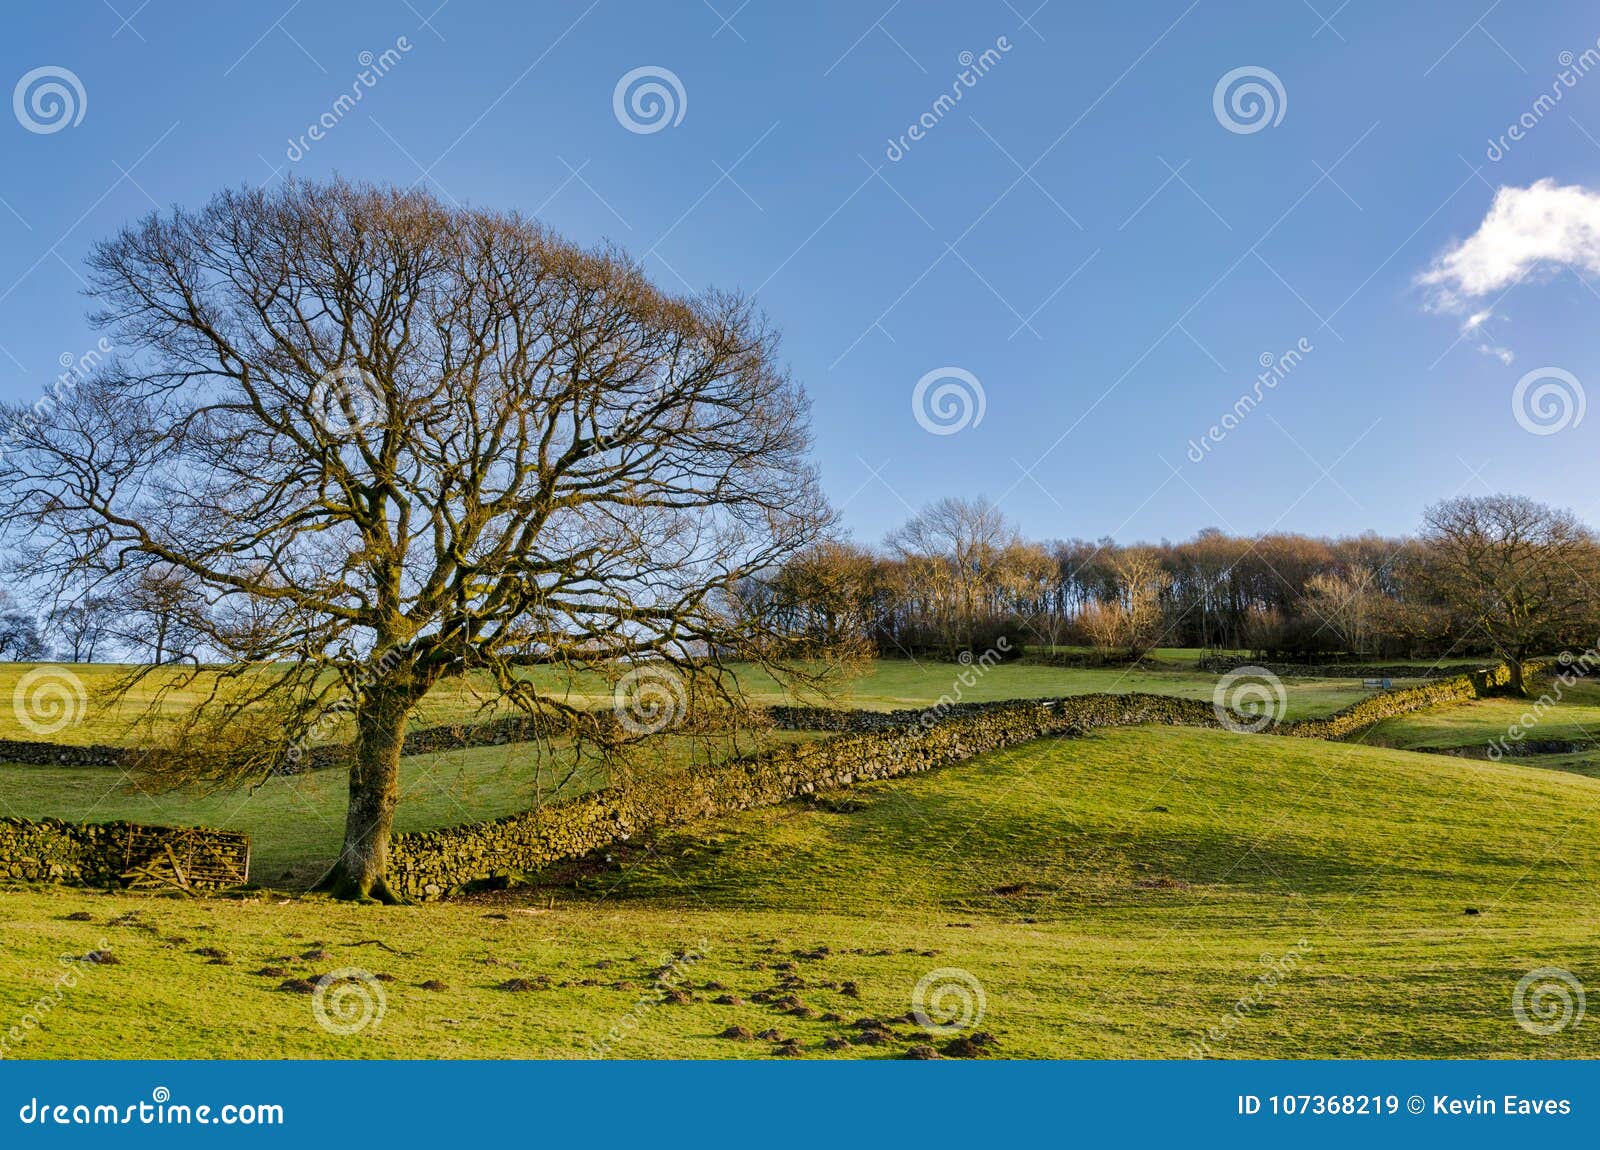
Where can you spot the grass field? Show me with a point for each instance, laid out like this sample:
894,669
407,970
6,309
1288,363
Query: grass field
1185,657
1113,896
900,683
1158,654
112,712
1580,763
886,685
1575,716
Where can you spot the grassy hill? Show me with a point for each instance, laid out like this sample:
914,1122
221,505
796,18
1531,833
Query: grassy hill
1114,896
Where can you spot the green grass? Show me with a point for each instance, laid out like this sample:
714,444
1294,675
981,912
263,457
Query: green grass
1575,716
888,684
1113,895
1161,654
899,683
1580,763
296,823
112,713
1182,655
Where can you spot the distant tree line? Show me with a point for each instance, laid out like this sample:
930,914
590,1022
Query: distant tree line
154,615
1498,575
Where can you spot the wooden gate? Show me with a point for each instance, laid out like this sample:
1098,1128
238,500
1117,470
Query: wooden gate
185,859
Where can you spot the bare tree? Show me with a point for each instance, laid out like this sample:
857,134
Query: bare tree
828,595
1024,586
1141,582
1105,623
1519,571
19,632
79,628
395,441
161,612
1260,627
1346,605
953,550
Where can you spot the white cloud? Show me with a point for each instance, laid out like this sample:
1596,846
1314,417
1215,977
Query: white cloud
1476,327
1540,228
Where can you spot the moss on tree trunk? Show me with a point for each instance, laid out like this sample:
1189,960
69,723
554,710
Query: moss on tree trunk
361,873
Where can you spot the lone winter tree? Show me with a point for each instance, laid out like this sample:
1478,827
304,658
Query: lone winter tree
1518,572
393,441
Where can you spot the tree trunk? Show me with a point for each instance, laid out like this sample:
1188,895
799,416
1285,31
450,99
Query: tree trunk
361,873
1518,685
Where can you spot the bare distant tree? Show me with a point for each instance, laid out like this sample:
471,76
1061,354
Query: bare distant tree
1261,627
829,595
1129,616
162,613
79,628
1104,623
394,441
1141,583
1346,605
953,551
19,632
1522,573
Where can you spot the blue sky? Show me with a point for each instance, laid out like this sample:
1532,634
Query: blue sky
1088,238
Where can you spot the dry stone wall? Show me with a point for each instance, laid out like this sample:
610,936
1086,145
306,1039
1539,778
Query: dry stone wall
121,854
